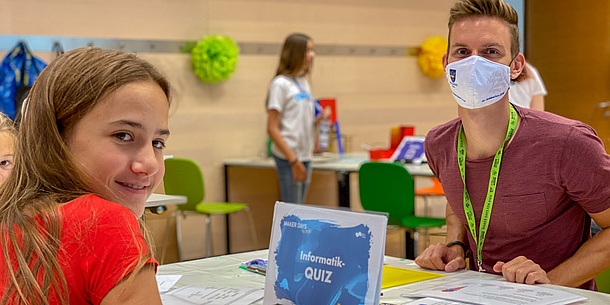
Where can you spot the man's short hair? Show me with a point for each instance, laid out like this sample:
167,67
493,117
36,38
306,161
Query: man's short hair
490,8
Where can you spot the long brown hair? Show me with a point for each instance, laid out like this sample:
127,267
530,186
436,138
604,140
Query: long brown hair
293,55
45,174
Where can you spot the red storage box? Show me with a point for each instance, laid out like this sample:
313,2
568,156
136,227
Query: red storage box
380,154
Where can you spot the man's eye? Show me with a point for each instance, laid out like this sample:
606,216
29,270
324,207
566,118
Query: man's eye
123,136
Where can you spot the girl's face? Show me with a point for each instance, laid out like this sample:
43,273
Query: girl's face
7,146
310,53
120,143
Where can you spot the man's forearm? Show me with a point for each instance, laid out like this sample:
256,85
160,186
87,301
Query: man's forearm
592,258
455,230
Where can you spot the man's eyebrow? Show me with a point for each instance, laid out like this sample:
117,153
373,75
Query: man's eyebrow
487,45
492,44
458,44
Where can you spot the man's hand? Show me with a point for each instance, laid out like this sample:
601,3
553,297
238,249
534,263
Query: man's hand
522,270
439,257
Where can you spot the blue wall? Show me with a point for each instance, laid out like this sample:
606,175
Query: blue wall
519,6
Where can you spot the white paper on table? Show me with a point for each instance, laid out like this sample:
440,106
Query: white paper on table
433,301
212,295
165,282
498,293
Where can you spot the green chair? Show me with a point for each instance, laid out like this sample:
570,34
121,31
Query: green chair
184,177
603,281
388,187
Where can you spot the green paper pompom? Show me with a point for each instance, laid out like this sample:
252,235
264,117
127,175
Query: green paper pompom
214,58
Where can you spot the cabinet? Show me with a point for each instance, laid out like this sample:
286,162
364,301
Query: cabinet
569,42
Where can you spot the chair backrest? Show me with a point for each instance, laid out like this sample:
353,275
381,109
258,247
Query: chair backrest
603,281
387,187
437,186
184,177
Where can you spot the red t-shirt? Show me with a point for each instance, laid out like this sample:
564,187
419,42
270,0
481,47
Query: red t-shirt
101,241
552,174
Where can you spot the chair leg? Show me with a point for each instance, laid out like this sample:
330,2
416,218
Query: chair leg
252,227
179,234
415,243
426,238
208,235
403,241
426,206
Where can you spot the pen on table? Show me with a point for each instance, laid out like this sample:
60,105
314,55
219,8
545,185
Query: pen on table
257,270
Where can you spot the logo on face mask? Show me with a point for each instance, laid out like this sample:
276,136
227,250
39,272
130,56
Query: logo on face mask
477,82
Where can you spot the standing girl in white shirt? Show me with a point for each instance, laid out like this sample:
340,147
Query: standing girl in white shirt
291,119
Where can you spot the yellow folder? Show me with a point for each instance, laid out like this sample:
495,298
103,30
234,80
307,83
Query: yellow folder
395,276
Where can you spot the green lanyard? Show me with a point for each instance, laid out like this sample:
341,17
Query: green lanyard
491,190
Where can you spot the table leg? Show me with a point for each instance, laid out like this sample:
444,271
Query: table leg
227,230
343,187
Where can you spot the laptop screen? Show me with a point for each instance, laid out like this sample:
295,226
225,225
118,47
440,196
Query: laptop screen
410,150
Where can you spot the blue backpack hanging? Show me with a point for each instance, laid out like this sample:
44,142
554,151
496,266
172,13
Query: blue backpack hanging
18,71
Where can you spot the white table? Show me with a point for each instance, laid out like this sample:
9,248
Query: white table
163,199
343,165
156,202
224,271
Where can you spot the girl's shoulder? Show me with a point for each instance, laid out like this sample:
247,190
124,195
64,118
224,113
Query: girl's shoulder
283,80
90,210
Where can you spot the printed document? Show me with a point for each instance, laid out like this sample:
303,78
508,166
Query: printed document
201,295
498,293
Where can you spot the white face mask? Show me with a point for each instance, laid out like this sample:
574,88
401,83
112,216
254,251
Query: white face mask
477,82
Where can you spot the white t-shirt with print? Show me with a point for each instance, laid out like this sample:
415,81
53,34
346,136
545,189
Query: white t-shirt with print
291,97
521,93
